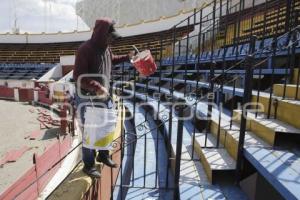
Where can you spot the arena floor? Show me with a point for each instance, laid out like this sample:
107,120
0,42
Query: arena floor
18,121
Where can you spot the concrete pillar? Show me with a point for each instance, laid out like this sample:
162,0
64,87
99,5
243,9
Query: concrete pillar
16,94
35,95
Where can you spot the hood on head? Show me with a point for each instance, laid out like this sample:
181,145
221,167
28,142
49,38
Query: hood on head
100,32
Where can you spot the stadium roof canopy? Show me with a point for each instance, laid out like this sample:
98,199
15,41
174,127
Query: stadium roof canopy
164,23
132,11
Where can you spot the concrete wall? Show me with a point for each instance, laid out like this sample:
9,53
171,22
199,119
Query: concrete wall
67,60
54,73
45,38
17,83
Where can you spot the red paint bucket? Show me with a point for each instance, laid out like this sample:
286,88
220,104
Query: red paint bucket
144,63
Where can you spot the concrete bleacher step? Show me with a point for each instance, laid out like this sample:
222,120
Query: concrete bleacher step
205,192
280,168
191,174
219,162
208,190
145,159
144,193
193,182
270,130
216,161
290,90
189,180
229,137
190,188
284,116
135,176
295,76
287,110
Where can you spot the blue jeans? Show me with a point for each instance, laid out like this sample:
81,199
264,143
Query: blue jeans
88,155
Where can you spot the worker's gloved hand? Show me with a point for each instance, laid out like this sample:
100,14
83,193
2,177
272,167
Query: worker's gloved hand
102,91
99,89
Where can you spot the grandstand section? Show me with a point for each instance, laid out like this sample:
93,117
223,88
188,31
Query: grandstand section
51,52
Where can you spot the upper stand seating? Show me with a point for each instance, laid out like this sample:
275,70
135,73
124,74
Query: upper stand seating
263,49
51,52
24,71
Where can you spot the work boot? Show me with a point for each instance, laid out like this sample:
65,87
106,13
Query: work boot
92,172
103,156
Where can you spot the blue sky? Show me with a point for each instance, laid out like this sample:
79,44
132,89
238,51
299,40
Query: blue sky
35,16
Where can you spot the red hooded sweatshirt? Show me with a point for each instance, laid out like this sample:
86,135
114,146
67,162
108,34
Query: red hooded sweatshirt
95,57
